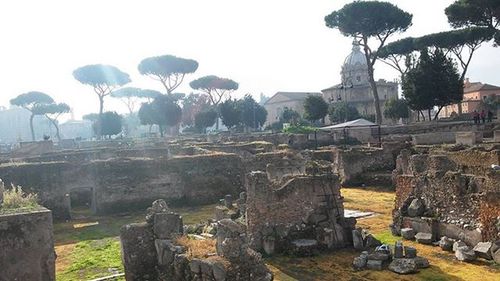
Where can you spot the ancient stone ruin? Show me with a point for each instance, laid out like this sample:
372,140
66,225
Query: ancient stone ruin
451,196
150,251
299,214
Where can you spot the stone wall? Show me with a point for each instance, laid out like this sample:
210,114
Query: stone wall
301,207
459,191
150,251
27,246
355,163
129,183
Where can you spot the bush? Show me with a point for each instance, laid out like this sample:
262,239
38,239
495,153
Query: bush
16,198
300,130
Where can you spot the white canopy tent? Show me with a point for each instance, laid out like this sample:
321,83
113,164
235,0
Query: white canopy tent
350,124
355,124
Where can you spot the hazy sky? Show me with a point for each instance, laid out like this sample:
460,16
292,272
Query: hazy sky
265,45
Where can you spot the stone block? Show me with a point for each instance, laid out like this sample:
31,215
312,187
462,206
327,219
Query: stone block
458,244
357,240
446,244
408,233
410,252
138,251
374,264
403,266
378,256
416,208
167,225
496,136
228,201
371,241
27,246
359,263
195,266
219,271
424,238
423,224
398,250
421,262
304,247
483,250
465,253
468,138
181,267
496,256
165,251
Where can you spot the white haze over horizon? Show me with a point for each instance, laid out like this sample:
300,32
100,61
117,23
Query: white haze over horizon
266,46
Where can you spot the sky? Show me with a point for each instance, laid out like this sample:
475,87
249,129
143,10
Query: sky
264,45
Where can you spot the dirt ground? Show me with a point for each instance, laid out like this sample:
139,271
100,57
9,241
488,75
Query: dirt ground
88,247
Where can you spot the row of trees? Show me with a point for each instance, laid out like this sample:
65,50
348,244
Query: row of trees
372,23
162,109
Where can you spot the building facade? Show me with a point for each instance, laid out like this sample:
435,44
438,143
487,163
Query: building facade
475,93
355,87
281,100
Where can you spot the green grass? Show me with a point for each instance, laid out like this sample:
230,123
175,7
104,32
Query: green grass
93,259
386,237
97,244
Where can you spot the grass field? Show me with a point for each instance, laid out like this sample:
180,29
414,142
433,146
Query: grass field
89,247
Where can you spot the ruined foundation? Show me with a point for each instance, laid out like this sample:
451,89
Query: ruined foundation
27,246
449,193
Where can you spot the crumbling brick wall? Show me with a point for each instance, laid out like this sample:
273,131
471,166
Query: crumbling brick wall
302,207
459,190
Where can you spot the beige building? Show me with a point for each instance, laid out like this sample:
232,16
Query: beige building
474,94
355,87
281,100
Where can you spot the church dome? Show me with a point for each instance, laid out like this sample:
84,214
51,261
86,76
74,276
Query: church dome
356,57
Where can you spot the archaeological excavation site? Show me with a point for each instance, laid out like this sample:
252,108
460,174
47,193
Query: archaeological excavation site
255,207
223,140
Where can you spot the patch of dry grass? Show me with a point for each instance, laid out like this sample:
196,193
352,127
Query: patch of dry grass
15,198
197,248
337,265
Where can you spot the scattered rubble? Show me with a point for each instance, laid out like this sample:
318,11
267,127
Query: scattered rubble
402,259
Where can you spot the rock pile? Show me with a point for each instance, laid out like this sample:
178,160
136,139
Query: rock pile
401,259
464,252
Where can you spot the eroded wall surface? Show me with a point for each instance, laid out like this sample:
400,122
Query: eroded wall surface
459,190
27,246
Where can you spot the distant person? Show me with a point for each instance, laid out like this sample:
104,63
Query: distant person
475,116
490,116
483,116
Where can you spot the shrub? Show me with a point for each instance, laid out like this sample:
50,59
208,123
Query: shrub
16,198
299,130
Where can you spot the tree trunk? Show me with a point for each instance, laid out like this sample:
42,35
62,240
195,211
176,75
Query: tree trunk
161,130
429,114
437,113
99,121
31,127
53,121
373,86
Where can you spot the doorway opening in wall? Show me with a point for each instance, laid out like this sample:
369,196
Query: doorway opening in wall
81,202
